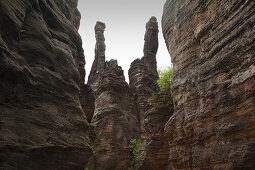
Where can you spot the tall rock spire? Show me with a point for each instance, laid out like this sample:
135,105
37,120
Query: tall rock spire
151,46
100,45
143,73
151,37
99,61
115,118
154,107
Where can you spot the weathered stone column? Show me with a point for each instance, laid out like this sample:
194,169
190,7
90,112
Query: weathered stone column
143,72
99,61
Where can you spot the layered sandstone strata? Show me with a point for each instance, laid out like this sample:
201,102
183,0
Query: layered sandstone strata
99,61
212,48
115,118
143,73
155,152
42,124
153,106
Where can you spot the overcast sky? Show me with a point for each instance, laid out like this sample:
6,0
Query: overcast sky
125,28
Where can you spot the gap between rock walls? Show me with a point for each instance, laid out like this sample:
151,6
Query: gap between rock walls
122,111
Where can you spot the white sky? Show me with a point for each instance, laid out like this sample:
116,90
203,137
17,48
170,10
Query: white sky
125,28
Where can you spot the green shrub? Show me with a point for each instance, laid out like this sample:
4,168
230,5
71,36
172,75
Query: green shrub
134,149
99,149
165,76
87,169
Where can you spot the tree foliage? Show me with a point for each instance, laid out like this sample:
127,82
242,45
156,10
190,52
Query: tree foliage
165,76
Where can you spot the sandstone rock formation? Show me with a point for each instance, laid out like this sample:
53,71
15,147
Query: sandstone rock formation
87,100
99,61
155,153
212,48
115,119
152,105
143,73
42,124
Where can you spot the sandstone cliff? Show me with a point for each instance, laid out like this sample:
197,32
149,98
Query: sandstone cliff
212,48
42,124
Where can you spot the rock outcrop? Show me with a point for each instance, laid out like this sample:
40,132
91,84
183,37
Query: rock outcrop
115,118
155,153
42,124
153,106
212,48
143,73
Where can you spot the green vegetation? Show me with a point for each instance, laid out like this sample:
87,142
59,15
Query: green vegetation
99,149
165,76
95,116
88,169
134,149
96,111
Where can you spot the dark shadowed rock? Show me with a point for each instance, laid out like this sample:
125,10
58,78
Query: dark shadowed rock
212,48
151,46
41,68
143,73
87,100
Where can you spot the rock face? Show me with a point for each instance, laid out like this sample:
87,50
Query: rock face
115,119
155,153
143,73
42,125
212,48
87,100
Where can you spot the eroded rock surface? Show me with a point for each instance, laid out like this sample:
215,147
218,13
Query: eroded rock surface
212,48
143,73
87,100
99,61
155,153
152,105
115,118
41,70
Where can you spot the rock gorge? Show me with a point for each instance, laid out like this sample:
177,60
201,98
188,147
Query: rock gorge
51,119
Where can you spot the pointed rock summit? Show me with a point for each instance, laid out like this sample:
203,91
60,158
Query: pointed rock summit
143,73
115,119
151,37
154,108
99,61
